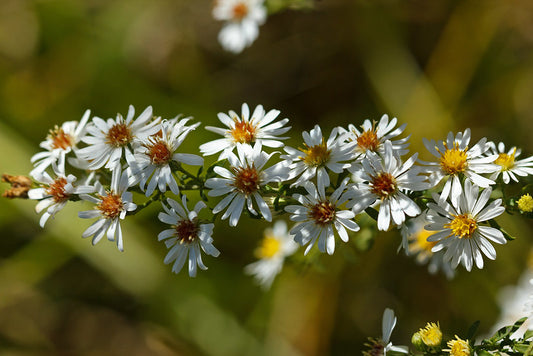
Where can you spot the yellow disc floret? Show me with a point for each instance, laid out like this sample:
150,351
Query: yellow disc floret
525,203
506,161
431,335
316,156
269,247
453,160
462,226
458,347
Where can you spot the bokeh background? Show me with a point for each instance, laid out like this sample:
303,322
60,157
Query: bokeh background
437,65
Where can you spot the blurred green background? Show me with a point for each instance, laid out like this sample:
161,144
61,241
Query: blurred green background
436,65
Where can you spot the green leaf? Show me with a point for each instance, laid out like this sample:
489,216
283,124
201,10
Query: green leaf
373,213
472,330
528,334
495,225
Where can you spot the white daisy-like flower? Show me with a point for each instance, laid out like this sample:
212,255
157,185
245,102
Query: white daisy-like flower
317,155
319,216
107,140
155,155
259,128
242,20
187,235
59,142
384,345
110,207
386,178
510,168
275,246
415,243
372,137
456,159
242,183
54,193
459,227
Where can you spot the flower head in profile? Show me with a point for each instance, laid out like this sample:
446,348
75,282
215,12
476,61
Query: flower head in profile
242,183
54,193
458,347
154,155
380,347
187,237
372,136
242,19
59,142
275,246
110,206
260,127
510,168
456,159
385,180
459,229
319,216
318,156
108,140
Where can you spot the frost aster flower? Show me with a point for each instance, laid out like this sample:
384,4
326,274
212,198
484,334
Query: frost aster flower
510,168
187,236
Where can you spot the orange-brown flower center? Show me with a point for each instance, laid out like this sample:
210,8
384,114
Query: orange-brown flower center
384,185
187,231
316,156
240,11
246,179
119,135
244,132
323,213
368,141
159,152
111,205
60,139
57,190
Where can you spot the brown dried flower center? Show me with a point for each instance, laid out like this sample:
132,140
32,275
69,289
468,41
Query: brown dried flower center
60,139
57,190
187,231
384,185
159,152
111,205
119,135
323,213
246,179
368,141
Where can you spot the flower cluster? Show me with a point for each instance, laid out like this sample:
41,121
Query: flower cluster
444,208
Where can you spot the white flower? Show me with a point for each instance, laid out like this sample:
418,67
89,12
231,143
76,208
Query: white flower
456,159
111,207
372,138
107,140
318,214
243,182
384,345
275,246
59,142
156,153
242,19
509,167
318,155
259,128
385,179
55,193
459,228
187,236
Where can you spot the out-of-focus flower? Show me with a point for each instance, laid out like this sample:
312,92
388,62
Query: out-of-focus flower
242,183
242,19
258,128
385,178
19,186
155,153
317,155
459,230
510,168
59,142
318,214
110,207
187,236
275,246
107,140
55,193
456,159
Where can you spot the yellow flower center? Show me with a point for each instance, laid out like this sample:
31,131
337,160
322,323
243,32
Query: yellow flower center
186,231
246,179
421,240
431,335
458,347
506,161
453,160
111,205
383,185
269,247
368,141
316,156
525,203
243,132
323,213
119,135
57,190
60,139
462,226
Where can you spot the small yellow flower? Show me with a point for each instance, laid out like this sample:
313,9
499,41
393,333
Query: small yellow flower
525,203
458,347
431,335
